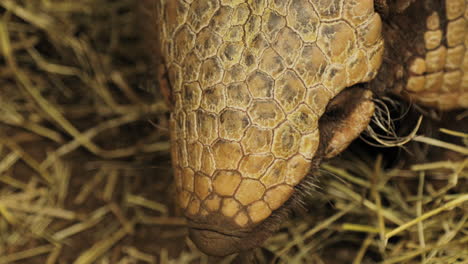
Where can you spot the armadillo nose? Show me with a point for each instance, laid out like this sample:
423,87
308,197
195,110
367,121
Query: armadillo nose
213,243
219,236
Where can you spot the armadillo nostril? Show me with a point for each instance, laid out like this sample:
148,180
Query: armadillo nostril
214,243
218,225
217,236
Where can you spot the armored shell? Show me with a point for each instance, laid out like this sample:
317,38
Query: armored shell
438,71
250,80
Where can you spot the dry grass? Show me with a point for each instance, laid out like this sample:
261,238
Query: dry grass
85,175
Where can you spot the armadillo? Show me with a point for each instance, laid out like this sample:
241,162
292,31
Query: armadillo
251,81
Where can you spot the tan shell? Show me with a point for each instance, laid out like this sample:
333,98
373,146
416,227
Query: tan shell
250,80
438,79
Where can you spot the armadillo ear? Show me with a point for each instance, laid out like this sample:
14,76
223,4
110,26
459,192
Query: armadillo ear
346,117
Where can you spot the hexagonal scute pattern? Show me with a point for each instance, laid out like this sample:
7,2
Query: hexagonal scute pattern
250,80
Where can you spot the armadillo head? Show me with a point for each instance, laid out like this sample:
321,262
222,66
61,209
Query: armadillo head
251,80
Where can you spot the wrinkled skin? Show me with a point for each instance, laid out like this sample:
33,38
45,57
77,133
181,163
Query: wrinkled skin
262,91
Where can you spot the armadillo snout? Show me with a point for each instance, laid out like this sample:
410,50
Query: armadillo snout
218,235
250,81
226,207
213,243
242,197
